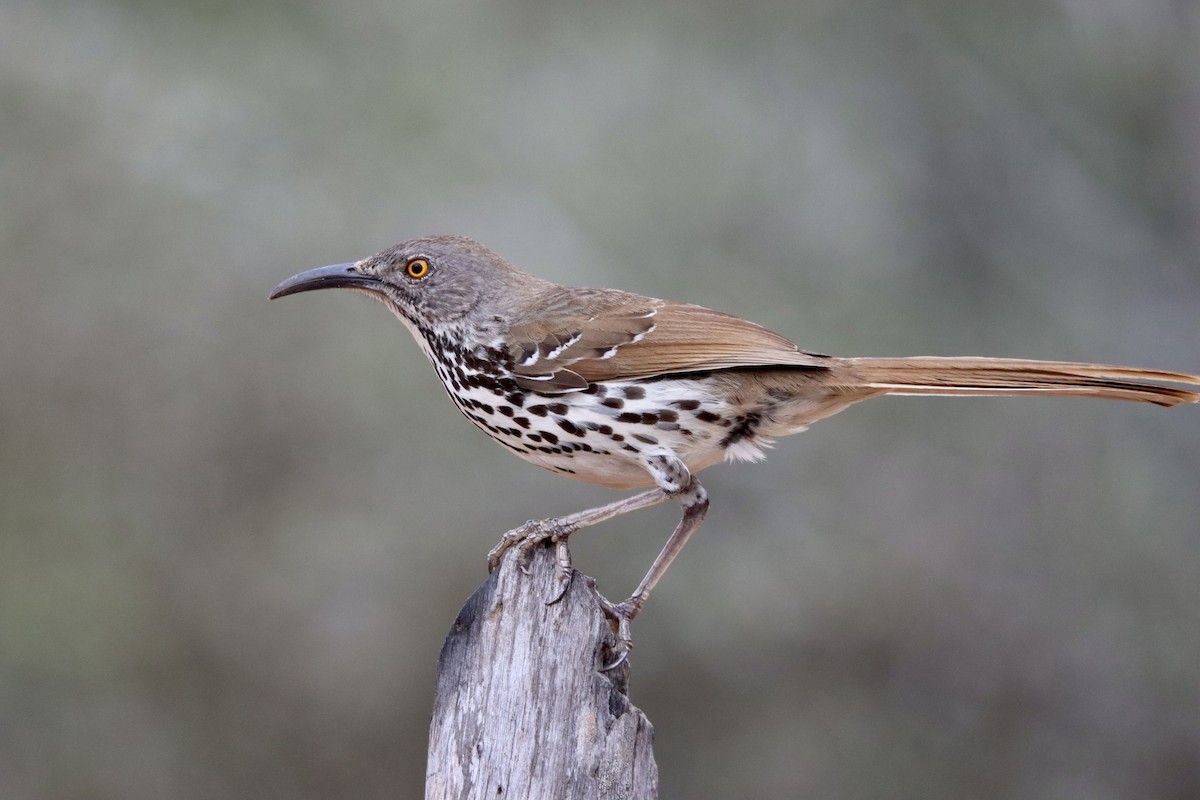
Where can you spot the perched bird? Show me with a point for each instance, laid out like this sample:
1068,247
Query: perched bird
628,392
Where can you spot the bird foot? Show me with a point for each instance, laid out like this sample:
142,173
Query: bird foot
622,614
530,535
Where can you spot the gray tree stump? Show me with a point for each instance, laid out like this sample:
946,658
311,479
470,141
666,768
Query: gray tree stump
522,710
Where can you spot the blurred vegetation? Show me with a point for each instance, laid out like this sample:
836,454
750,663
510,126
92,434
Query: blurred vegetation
233,534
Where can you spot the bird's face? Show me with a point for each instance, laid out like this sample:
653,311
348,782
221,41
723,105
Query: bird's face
430,283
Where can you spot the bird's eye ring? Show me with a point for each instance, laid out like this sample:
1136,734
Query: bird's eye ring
417,268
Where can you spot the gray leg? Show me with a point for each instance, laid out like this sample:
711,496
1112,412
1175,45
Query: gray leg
674,480
558,529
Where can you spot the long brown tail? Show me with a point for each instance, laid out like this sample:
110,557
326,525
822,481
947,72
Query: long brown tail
1013,376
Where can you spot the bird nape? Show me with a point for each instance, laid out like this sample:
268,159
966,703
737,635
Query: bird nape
626,391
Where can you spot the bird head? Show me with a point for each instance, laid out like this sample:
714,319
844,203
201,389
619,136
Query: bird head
432,282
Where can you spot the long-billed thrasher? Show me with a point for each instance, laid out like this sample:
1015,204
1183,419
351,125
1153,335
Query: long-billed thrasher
628,392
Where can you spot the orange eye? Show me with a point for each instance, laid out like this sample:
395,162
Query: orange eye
417,268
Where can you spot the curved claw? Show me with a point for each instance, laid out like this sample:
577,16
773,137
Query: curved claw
621,659
528,536
623,614
563,570
517,536
524,550
563,585
496,555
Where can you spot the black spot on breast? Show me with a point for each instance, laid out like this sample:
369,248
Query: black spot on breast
538,411
522,421
686,405
549,437
557,408
667,415
641,437
571,427
613,402
707,416
516,399
629,416
634,392
505,410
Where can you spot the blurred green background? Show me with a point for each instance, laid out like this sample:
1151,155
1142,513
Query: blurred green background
233,533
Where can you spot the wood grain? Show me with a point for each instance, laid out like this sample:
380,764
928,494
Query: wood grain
521,708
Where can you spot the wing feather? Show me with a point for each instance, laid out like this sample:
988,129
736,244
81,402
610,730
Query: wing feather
626,336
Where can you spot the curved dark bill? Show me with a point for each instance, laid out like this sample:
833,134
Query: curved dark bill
335,276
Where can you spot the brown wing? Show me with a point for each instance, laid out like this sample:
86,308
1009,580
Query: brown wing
626,336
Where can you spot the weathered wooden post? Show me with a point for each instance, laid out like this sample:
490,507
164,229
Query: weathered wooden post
522,709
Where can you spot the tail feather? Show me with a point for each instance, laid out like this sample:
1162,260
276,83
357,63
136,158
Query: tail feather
929,375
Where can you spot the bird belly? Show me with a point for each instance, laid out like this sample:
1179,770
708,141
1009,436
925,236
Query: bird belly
605,434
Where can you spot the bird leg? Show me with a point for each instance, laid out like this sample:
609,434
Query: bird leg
674,482
694,500
558,529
